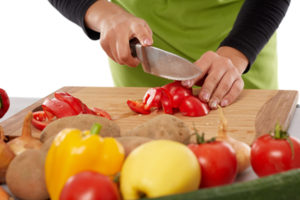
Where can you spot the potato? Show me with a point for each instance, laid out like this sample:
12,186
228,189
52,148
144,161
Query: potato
82,122
162,127
25,176
47,144
131,142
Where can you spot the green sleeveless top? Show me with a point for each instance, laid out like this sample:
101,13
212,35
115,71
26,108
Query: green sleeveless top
189,28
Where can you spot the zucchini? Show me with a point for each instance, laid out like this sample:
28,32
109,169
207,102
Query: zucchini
282,186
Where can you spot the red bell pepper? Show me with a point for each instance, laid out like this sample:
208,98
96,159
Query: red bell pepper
40,120
170,97
166,101
4,102
62,105
152,98
138,107
193,107
58,108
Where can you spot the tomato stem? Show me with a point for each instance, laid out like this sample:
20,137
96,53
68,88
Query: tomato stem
95,130
280,134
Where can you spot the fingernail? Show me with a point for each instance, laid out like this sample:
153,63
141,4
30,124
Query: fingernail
147,42
205,96
187,83
214,104
224,102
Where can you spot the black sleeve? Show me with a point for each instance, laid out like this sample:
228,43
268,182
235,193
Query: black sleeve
75,11
254,26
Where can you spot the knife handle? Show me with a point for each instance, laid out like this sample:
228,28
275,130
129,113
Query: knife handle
132,44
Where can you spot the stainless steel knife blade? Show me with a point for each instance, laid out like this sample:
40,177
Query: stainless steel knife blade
164,64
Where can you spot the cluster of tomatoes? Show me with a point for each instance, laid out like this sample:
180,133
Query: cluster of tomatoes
270,154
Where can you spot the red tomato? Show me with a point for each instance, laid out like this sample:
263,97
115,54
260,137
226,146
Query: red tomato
194,107
218,163
270,155
138,107
89,185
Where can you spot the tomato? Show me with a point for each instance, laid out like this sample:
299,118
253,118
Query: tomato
152,98
194,107
178,92
101,113
89,185
138,107
39,120
217,161
270,155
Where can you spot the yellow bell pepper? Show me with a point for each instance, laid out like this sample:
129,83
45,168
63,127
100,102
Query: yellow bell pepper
73,151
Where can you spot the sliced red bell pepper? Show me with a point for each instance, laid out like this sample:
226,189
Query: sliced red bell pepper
138,107
39,120
193,107
152,98
75,103
101,113
178,92
166,101
58,108
4,102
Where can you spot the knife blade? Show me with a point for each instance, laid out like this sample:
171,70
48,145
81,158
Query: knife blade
164,64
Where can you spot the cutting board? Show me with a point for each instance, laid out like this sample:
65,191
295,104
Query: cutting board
255,112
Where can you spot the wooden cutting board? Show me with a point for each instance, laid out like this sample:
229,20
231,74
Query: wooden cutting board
254,113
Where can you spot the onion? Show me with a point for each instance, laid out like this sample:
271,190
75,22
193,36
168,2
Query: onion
4,195
25,141
6,156
242,149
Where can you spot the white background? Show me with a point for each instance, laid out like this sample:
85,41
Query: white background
41,51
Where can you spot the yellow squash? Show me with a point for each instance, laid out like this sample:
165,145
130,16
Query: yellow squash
73,151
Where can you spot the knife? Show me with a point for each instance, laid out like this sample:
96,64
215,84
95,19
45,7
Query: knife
162,63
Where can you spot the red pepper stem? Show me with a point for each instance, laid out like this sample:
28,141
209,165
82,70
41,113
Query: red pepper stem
96,128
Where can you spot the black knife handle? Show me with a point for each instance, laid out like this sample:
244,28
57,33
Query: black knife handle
132,44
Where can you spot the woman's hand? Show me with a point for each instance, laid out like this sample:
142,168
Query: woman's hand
221,79
117,27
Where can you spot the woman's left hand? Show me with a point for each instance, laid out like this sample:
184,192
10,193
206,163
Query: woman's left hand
221,79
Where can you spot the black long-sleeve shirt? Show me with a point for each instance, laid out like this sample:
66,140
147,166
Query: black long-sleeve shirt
255,23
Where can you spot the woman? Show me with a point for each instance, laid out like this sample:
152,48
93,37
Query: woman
225,38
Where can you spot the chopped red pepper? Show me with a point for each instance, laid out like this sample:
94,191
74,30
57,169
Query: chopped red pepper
39,120
152,98
63,105
101,113
193,107
4,102
75,103
166,101
58,108
138,107
170,97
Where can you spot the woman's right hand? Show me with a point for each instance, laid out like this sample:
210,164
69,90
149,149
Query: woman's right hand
117,27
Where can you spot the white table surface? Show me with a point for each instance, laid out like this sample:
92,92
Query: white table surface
17,104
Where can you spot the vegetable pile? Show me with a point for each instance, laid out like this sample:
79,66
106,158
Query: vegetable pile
170,98
62,105
89,157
